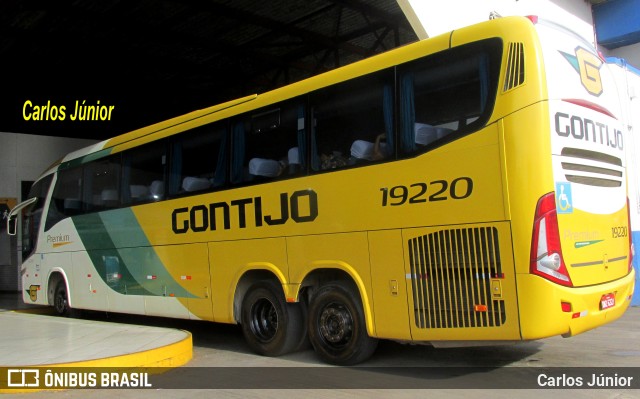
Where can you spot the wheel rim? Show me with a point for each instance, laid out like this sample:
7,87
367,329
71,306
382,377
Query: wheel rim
336,325
264,320
61,302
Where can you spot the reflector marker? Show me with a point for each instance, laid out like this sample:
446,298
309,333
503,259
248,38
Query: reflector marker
480,308
185,277
151,277
580,314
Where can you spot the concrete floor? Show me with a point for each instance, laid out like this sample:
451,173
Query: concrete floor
220,350
40,340
31,336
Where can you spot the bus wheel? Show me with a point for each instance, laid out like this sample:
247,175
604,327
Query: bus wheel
61,300
337,327
271,326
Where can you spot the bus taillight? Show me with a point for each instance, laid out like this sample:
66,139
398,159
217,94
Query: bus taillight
546,250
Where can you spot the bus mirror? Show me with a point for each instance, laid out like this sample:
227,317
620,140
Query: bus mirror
12,225
12,219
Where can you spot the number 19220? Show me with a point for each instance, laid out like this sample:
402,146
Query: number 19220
437,190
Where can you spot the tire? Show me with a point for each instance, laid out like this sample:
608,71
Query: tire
61,300
304,342
337,328
271,326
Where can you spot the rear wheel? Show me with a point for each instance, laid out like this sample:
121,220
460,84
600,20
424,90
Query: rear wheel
271,326
337,327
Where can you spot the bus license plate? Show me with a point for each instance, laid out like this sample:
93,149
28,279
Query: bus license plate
607,301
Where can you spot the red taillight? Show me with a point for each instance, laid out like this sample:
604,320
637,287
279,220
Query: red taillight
546,250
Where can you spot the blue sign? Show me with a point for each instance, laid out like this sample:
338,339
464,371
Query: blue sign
564,199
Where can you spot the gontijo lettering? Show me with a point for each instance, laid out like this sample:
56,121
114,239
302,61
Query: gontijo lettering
301,207
586,129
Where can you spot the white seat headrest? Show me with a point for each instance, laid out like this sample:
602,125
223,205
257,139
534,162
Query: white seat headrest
294,156
157,189
195,183
425,134
362,149
442,131
264,167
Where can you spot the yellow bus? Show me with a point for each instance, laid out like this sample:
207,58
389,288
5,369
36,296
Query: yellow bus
469,188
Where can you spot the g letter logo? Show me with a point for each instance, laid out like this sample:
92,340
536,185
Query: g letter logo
588,66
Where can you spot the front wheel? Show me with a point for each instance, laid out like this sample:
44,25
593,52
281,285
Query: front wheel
61,300
271,326
337,327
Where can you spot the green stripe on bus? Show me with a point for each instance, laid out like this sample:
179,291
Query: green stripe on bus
123,256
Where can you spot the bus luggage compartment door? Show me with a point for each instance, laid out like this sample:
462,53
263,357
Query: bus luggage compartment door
461,283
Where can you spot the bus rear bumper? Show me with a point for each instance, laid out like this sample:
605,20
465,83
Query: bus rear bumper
548,309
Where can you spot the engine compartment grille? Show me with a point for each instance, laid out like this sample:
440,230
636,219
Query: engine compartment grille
451,275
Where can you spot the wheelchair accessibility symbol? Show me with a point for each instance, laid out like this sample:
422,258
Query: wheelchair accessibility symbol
564,200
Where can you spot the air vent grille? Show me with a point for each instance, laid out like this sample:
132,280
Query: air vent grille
514,76
592,168
451,275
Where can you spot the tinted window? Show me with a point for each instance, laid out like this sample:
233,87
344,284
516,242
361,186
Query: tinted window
102,184
144,173
67,196
353,122
448,94
269,143
198,160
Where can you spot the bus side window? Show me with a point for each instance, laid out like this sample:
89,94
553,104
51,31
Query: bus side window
353,122
66,199
102,184
198,160
269,143
449,92
143,175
